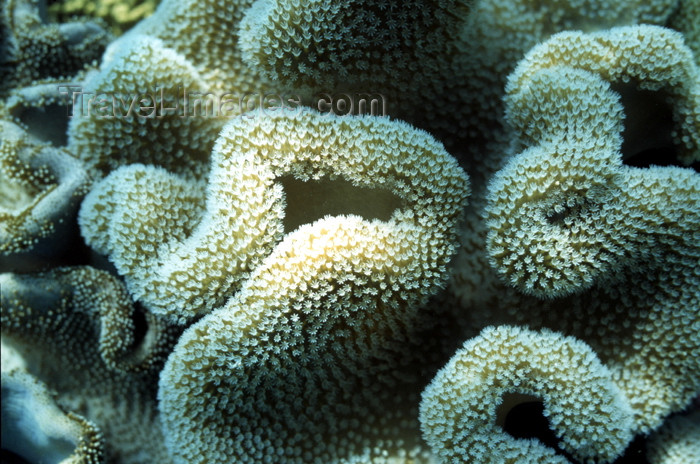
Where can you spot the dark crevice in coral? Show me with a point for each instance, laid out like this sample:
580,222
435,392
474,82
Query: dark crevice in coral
47,123
62,249
138,317
526,420
666,156
103,263
74,250
648,124
308,201
635,452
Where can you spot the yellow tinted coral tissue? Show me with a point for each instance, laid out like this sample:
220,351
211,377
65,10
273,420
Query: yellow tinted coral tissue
594,247
137,119
40,190
459,411
169,64
34,49
460,408
189,274
166,239
296,367
578,214
401,49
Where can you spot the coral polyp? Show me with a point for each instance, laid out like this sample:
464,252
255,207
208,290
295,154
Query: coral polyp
357,231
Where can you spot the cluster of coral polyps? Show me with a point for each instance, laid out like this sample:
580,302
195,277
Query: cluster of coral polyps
320,231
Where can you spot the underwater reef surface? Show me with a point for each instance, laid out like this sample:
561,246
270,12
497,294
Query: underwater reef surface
316,231
120,15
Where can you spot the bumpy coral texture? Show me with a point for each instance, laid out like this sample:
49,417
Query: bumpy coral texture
677,441
602,242
402,49
29,411
321,333
40,190
75,330
312,45
666,69
120,15
169,245
206,34
174,65
304,363
441,64
459,407
33,49
547,237
132,111
685,20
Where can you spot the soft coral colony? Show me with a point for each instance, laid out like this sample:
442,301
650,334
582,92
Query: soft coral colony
297,286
